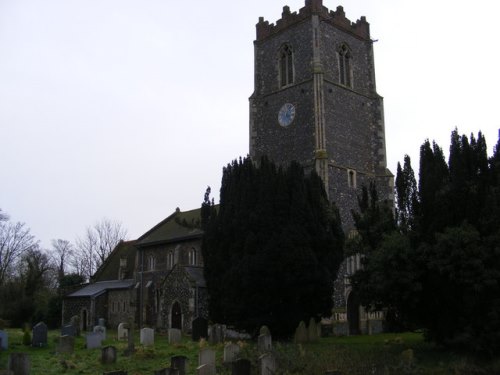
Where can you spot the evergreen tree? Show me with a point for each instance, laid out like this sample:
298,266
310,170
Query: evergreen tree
407,203
273,248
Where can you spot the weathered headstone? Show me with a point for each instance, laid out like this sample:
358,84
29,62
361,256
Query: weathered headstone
39,335
93,340
267,364
301,333
101,330
4,340
200,329
216,334
68,330
312,330
231,351
241,367
66,344
147,336
205,369
174,336
167,371
75,322
19,363
265,343
101,322
264,330
122,331
108,355
179,362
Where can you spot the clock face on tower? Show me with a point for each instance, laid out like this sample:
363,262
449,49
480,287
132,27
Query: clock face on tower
286,114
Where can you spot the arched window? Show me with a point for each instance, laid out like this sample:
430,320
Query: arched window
345,65
192,257
151,263
286,66
351,178
170,260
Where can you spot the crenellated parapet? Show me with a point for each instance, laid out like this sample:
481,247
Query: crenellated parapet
337,18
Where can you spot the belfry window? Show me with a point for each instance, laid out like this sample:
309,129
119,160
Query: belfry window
351,178
286,66
345,65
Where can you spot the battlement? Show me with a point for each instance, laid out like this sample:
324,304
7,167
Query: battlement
337,18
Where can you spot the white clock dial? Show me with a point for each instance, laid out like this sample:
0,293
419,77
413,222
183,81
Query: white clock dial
286,114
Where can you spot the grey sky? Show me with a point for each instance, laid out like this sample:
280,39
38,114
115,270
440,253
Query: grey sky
128,109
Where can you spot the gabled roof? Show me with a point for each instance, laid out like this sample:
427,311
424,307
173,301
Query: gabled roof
109,268
100,287
177,227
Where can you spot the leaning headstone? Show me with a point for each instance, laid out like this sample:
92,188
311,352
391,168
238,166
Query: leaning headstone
231,351
179,362
101,330
122,331
39,335
101,322
301,333
174,336
265,343
267,364
66,344
147,336
108,355
4,340
241,367
68,330
264,330
93,340
200,329
312,330
206,359
167,371
19,363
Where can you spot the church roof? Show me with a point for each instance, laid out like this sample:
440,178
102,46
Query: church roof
176,227
109,269
100,287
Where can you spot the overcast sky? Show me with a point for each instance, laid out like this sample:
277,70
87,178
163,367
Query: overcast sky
127,109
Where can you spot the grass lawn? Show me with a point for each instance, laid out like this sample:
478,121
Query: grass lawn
384,354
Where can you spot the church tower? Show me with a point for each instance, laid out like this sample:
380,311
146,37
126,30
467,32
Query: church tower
315,101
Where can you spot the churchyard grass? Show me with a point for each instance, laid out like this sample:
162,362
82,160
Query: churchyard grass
387,354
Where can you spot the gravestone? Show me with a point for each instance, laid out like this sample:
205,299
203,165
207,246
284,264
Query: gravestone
231,351
167,371
101,322
267,364
200,329
174,336
93,340
39,335
312,330
147,336
108,355
265,343
179,362
122,331
19,363
75,322
264,330
68,330
4,340
301,333
207,357
66,344
130,339
241,367
101,330
206,369
216,334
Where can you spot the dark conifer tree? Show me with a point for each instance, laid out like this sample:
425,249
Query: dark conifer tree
406,197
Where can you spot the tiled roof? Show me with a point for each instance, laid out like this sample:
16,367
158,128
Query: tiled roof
95,289
109,269
176,227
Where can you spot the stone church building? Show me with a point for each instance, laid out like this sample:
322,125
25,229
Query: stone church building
315,102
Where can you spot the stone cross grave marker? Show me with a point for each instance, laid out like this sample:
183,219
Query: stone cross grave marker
4,340
231,351
200,329
66,344
147,336
267,364
19,363
179,362
122,331
174,336
93,340
108,355
39,335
